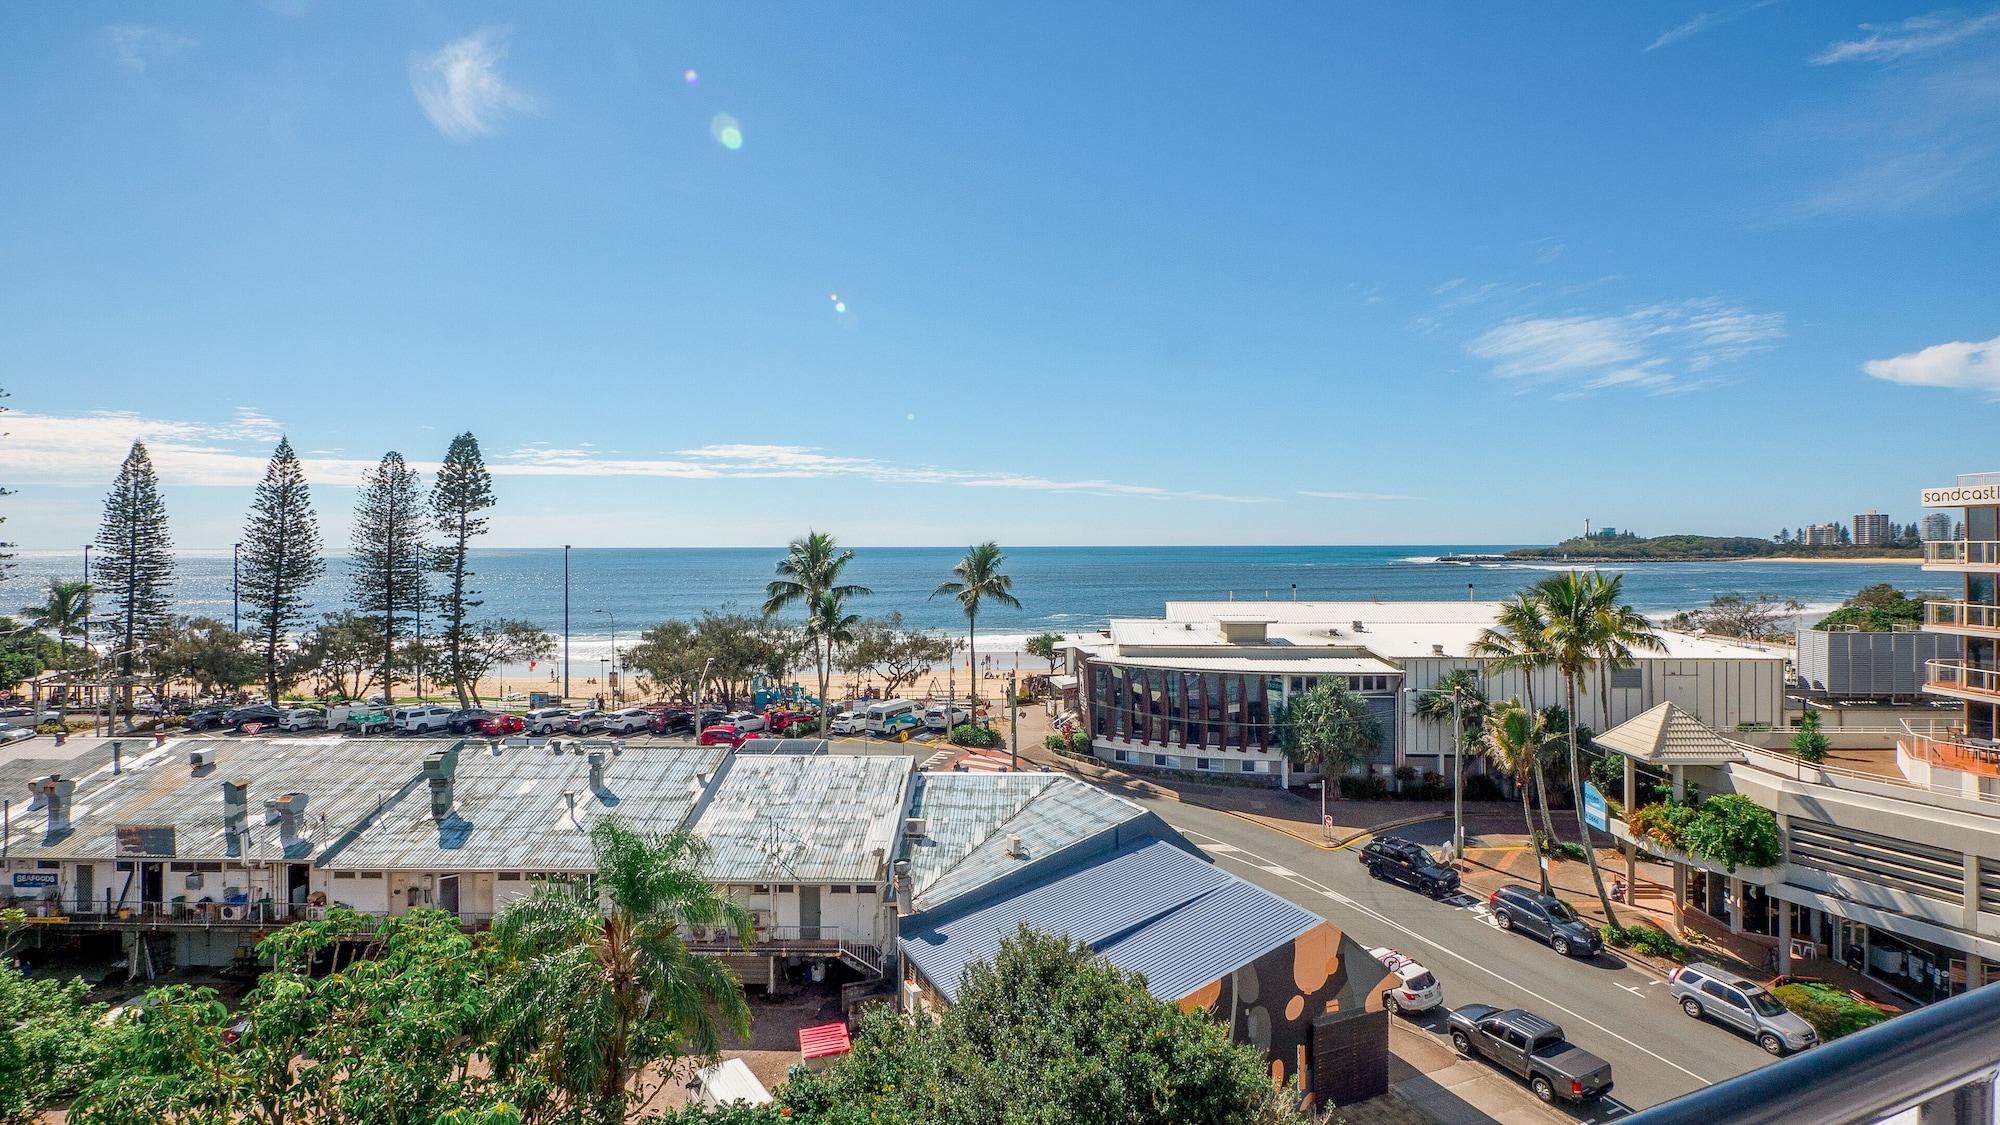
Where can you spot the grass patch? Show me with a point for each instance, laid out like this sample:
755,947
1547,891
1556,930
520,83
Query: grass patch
1645,939
1830,1011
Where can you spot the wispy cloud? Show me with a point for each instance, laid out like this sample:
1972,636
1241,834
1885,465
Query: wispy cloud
1705,21
1319,494
1973,366
1912,36
85,449
1654,347
462,90
137,46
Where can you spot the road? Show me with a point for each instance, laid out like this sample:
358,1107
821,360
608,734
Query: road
1621,1013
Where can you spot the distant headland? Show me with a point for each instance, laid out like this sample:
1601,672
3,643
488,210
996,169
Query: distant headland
1695,548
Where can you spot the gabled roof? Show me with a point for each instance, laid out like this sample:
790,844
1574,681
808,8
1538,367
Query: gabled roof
791,818
1149,907
1665,735
968,818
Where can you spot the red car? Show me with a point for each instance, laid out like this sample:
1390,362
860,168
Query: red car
496,726
779,720
725,734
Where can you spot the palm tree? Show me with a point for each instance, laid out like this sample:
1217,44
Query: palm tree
1514,738
978,577
1517,642
1455,696
829,623
1588,623
605,981
65,612
809,571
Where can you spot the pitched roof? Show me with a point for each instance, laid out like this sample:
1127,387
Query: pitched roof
968,818
1665,735
789,818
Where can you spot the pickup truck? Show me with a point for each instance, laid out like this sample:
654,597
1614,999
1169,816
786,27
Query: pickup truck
1533,1048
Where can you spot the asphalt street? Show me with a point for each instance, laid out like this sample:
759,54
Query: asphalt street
1619,1012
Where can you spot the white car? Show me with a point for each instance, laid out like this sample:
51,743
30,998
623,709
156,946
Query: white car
631,720
422,720
548,720
943,717
744,720
848,722
1416,989
302,718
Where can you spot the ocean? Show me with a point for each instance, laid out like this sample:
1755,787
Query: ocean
1062,589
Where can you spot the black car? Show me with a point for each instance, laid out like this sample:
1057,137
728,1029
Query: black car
260,715
468,720
1529,911
670,720
208,718
1533,1048
1403,861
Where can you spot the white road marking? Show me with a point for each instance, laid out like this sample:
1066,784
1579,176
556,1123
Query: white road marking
1252,859
1224,848
1630,989
1280,871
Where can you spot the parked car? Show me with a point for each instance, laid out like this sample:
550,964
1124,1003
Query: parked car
1710,990
744,720
501,724
11,735
302,718
1409,863
585,721
29,716
779,720
1533,1048
1416,988
670,720
848,722
629,721
427,718
548,720
726,734
208,718
1528,911
466,721
254,718
945,716
361,718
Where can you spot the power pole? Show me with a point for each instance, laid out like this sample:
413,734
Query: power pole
566,629
1013,724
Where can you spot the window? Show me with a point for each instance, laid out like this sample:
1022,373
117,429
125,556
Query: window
1249,767
208,865
1159,759
1728,996
371,874
1202,764
839,889
1628,677
180,866
786,888
51,865
1121,756
761,889
507,877
343,875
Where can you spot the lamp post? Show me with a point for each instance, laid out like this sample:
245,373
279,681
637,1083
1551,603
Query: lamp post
1321,786
86,601
235,590
565,622
617,667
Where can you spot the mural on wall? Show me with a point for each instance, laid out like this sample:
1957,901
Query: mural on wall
1270,1003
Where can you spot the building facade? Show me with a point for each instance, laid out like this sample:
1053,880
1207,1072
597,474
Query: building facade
1871,529
1935,526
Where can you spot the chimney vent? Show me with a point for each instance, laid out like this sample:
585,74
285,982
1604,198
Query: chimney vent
1360,626
596,760
199,760
1437,650
287,812
53,793
905,889
235,816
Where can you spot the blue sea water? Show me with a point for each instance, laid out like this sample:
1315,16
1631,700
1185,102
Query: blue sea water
1062,589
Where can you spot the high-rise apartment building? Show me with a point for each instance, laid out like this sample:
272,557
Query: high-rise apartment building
1934,527
1822,535
1871,529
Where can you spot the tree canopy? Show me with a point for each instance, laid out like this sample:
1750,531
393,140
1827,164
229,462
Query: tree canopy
1329,728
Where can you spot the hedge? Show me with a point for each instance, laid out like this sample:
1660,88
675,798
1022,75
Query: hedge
969,734
1728,829
1831,1012
1645,939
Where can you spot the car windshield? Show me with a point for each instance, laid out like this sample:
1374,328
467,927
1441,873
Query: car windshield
1421,981
1765,1003
1559,910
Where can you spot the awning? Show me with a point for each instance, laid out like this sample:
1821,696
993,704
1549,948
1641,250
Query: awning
1062,683
824,1041
1669,736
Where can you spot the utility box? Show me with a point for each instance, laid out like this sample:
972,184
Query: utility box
1350,1053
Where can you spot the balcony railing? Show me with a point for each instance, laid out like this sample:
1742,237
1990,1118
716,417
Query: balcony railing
1955,752
1962,552
1962,615
1954,677
1936,1065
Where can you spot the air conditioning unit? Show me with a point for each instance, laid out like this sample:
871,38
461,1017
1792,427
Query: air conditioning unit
914,827
234,913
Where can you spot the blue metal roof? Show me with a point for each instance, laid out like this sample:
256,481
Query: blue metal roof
1149,907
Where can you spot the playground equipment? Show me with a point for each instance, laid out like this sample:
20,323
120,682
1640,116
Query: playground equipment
765,694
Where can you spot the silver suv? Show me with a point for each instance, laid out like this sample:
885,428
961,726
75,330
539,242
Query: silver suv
1725,997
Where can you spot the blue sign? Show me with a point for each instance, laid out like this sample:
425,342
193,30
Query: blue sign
34,878
1595,812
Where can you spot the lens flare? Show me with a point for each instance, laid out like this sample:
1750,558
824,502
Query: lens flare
726,131
691,77
840,306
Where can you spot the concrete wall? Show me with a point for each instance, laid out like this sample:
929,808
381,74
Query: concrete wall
1856,665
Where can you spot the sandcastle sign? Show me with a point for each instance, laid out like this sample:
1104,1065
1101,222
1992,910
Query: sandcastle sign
1959,495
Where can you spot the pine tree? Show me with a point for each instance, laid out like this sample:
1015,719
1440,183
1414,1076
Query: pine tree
135,560
386,567
463,490
281,555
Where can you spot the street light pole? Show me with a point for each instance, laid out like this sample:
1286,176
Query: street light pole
565,623
616,666
1013,724
235,591
1457,782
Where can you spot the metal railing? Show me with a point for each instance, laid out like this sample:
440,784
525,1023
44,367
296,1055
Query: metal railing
1962,615
1962,552
1953,675
1937,1065
1956,752
791,939
263,913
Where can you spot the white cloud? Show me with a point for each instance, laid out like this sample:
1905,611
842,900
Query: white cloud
462,90
1911,36
1963,365
1648,347
137,46
1703,21
86,449
1320,494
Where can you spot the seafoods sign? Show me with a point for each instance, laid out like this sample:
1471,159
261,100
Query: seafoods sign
1959,495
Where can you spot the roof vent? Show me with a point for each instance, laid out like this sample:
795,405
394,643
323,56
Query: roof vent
914,827
199,760
1360,626
1437,650
1014,845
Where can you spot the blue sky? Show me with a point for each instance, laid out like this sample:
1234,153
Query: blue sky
1047,273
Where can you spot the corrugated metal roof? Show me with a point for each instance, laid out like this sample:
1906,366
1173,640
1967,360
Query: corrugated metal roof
528,808
828,818
968,817
1149,907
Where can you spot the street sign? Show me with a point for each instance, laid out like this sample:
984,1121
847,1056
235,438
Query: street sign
1595,812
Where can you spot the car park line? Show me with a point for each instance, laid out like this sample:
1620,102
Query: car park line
1251,859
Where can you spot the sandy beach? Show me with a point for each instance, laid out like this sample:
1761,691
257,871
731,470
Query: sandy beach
1852,560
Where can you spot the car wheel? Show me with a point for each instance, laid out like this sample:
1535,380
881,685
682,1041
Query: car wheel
1505,919
1691,1006
1542,1088
1560,945
1771,1043
1375,871
1461,1042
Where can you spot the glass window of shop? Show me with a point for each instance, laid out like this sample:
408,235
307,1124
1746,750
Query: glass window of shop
1255,729
1232,714
1156,705
1918,968
1980,525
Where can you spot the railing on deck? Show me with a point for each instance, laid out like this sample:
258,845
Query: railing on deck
1937,1065
1962,552
1962,615
1953,675
792,940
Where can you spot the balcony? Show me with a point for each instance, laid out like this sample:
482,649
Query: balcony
1951,678
1975,756
1962,554
1965,618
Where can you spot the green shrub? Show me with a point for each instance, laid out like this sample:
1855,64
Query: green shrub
1809,744
1664,823
1831,1012
1646,939
1480,787
1561,849
1079,741
1363,788
1055,743
969,734
1732,829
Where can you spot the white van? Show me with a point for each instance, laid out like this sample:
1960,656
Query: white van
424,719
893,715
